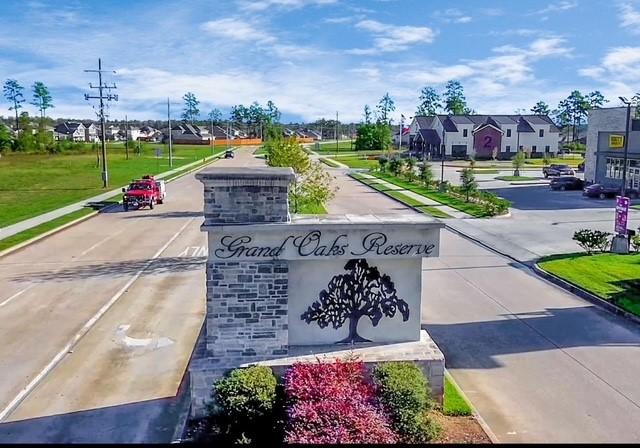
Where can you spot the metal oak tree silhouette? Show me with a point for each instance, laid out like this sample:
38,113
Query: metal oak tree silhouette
363,291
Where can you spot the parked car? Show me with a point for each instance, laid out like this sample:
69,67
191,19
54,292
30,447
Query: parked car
557,170
602,192
229,154
566,183
144,192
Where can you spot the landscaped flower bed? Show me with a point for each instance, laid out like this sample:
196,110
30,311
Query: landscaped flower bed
336,402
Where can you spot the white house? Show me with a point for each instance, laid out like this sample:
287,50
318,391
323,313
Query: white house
70,130
483,136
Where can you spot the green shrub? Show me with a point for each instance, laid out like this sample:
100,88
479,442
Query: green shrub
247,398
635,242
405,393
592,240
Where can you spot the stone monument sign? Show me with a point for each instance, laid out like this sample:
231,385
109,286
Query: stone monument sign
279,287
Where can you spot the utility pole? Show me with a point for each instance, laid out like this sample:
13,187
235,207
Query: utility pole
336,132
126,137
102,97
170,142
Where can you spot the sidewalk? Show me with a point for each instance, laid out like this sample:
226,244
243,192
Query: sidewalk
426,201
21,226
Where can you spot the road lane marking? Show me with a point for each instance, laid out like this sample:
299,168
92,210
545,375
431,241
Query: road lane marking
16,295
83,331
104,240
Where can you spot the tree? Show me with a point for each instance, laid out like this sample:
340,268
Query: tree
215,116
272,112
373,137
382,161
396,165
411,167
385,106
239,114
468,182
429,102
596,99
426,174
518,162
191,111
41,98
25,140
541,108
454,100
362,291
13,93
313,184
367,114
6,139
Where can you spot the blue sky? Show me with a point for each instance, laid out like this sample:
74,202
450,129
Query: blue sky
316,57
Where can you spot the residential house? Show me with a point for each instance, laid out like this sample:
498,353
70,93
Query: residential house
313,134
483,136
149,134
91,132
189,133
112,132
69,130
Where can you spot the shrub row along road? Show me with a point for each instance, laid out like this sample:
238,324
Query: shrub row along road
98,322
539,364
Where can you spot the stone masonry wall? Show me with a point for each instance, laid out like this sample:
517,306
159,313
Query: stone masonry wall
247,302
247,316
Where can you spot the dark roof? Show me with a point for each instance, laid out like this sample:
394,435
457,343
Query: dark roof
524,126
425,122
429,136
449,125
68,127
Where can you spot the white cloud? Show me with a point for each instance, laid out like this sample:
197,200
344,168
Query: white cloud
262,5
452,15
630,17
237,29
392,37
339,20
618,72
563,5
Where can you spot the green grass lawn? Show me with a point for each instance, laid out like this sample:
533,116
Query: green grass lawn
516,178
25,235
613,277
31,184
443,198
329,147
573,162
407,200
454,403
358,162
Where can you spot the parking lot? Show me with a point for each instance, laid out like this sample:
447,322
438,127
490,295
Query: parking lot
542,221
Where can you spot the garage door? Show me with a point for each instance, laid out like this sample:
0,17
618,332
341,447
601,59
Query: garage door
459,151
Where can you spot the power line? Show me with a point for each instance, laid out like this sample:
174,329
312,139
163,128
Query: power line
102,96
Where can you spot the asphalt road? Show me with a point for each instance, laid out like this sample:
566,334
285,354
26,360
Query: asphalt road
98,323
539,364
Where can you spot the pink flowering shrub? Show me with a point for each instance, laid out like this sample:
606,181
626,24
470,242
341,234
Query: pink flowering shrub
334,403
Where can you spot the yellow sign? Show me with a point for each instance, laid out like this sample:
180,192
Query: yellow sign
616,141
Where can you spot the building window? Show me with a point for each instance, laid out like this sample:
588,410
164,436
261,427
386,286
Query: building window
508,132
465,132
534,148
508,148
541,132
614,168
547,148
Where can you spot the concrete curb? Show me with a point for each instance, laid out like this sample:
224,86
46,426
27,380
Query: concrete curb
53,231
584,294
483,424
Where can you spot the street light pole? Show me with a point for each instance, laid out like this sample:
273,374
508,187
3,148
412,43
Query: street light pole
626,147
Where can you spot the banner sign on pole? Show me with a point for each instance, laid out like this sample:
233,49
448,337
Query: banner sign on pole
622,214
